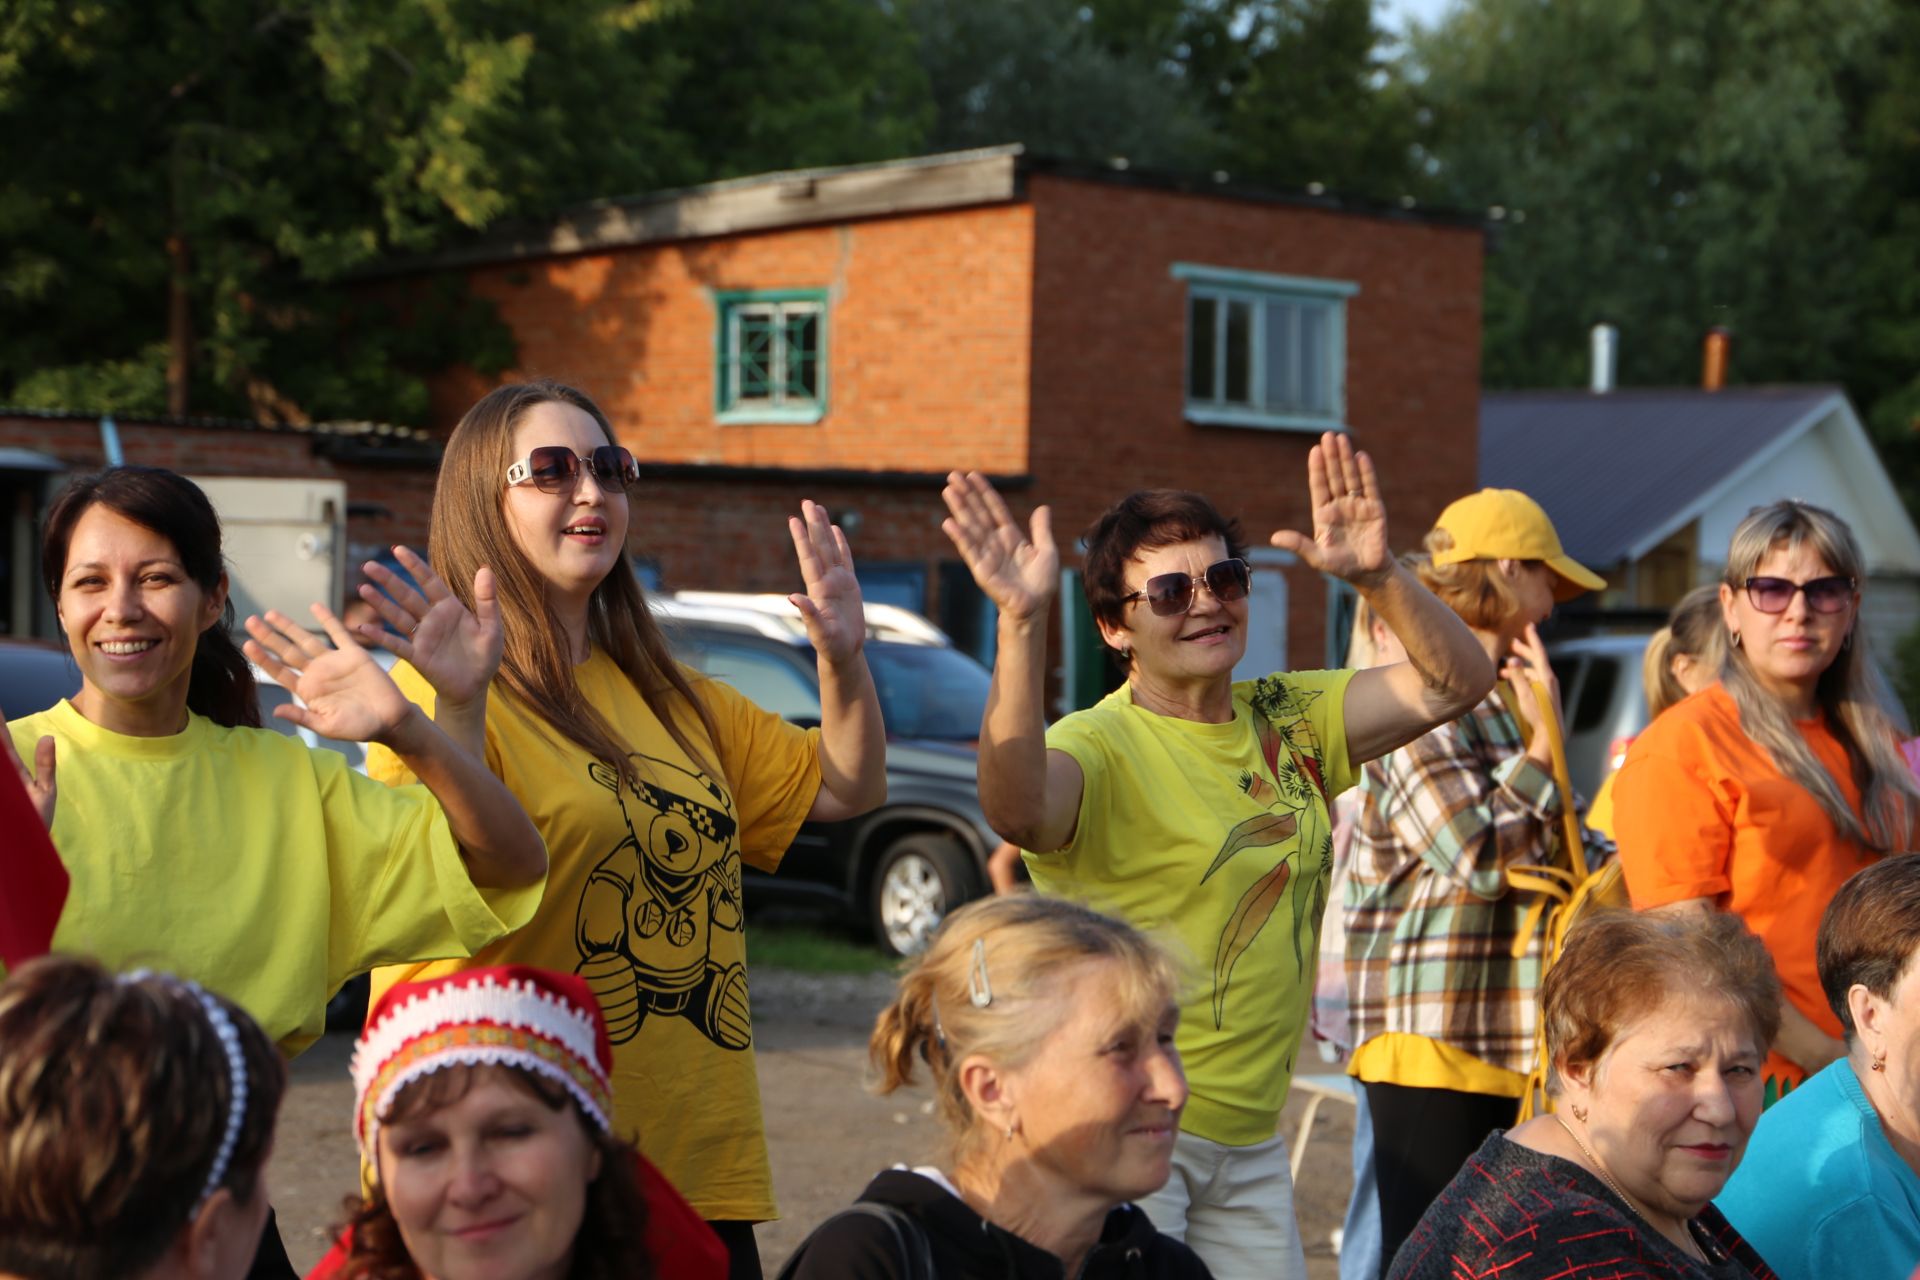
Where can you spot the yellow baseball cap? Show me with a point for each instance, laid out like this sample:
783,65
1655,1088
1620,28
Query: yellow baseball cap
1505,524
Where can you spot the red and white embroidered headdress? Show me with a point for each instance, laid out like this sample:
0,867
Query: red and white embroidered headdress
511,1015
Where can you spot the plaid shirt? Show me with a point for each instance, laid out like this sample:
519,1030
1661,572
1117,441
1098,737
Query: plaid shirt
1431,920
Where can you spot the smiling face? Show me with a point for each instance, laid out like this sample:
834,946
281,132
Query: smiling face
1672,1102
1099,1103
1790,650
133,619
490,1186
1202,645
573,538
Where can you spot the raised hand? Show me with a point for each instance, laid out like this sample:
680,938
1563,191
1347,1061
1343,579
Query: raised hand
831,607
1020,572
1526,668
1349,521
347,694
457,650
38,781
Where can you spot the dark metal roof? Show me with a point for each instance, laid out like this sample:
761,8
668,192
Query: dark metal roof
1612,469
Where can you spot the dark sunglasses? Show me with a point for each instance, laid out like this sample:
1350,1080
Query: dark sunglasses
1169,594
1824,595
554,468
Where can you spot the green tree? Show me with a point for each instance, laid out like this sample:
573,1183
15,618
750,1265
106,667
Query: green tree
1302,91
794,84
190,186
1669,167
1068,79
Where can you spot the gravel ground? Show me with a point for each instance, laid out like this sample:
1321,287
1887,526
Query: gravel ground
827,1134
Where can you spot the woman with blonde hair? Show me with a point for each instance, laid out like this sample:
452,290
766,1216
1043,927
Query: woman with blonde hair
1047,1029
1763,794
650,783
1442,964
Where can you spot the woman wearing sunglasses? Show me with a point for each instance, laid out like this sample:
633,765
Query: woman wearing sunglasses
649,782
1196,806
1762,794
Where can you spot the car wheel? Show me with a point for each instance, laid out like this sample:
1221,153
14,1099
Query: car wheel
916,881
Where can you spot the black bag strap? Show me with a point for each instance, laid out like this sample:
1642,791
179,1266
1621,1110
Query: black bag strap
916,1251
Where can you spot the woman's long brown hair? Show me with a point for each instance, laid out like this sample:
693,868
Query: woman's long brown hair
469,530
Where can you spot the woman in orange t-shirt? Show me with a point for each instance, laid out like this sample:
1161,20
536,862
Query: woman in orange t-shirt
1761,794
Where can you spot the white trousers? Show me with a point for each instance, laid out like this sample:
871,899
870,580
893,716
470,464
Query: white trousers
1234,1207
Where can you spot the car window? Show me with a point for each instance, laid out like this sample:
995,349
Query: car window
1595,695
928,692
769,680
33,679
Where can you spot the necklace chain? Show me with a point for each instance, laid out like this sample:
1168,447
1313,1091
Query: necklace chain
1613,1186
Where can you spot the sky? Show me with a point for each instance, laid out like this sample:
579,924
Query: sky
1395,13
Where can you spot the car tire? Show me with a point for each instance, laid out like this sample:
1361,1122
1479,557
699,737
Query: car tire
916,881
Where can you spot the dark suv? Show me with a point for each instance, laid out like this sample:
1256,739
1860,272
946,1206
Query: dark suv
901,868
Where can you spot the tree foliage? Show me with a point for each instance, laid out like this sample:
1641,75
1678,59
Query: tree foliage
269,150
1676,167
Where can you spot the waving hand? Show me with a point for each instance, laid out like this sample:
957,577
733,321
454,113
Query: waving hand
1019,571
456,649
831,607
1349,521
346,693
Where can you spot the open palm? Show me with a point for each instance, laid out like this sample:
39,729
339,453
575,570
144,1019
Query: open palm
455,649
1019,570
831,606
1349,520
346,693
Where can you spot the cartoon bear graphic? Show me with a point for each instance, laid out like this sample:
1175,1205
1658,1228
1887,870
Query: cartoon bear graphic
647,916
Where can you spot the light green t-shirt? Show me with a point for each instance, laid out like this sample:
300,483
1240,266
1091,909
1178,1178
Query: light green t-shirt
259,867
1216,838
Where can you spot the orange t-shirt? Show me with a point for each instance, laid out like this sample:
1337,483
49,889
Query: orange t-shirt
1701,811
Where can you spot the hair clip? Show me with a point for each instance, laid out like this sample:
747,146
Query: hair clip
979,990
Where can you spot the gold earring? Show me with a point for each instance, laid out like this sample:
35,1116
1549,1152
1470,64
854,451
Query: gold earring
1880,1062
1579,1113
1010,1131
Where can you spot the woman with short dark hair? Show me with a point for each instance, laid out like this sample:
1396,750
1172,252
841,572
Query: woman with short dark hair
1656,1027
1834,1169
1194,802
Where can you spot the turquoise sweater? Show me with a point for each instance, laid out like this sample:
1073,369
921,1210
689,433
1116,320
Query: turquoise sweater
1821,1192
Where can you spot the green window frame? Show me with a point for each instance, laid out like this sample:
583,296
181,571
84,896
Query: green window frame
1265,350
770,355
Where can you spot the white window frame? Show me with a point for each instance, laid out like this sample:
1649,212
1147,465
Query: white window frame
1223,285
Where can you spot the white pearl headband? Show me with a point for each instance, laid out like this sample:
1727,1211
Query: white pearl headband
229,1037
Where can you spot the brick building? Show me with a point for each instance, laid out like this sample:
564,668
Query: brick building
852,334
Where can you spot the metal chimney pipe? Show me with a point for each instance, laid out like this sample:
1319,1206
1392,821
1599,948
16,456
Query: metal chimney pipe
1713,360
1606,357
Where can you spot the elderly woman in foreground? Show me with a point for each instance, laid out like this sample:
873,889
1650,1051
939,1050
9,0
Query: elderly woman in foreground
1833,1169
1048,1031
1657,1027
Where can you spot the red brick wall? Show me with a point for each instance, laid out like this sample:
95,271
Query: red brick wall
406,490
927,340
1109,358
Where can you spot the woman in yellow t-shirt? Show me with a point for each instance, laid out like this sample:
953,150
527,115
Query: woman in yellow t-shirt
649,783
238,857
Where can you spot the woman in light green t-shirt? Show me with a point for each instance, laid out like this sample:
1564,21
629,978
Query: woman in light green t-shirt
228,853
1195,805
